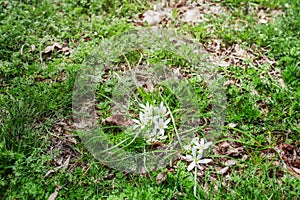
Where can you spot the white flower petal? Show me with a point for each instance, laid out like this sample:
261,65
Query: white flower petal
195,140
200,154
206,145
167,121
205,161
161,132
187,147
191,166
189,158
202,141
194,152
199,167
141,105
136,121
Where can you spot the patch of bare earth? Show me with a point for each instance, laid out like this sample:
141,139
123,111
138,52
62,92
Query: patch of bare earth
166,13
62,148
231,154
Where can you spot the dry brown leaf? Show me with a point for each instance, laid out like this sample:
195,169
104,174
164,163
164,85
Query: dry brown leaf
193,15
229,82
153,17
72,140
223,170
230,162
32,47
48,173
240,52
53,195
181,3
66,163
294,171
51,48
52,171
224,145
65,50
161,177
119,120
57,47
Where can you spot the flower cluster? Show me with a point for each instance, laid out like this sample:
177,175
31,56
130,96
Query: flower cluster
197,148
153,120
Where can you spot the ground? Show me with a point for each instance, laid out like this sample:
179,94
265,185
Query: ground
255,46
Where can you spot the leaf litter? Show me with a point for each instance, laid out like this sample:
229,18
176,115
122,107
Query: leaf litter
64,154
221,55
185,11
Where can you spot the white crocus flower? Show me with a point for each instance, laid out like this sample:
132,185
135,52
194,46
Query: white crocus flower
150,134
196,160
161,111
140,123
160,125
194,142
202,145
148,109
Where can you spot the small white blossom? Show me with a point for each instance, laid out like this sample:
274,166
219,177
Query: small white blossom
161,125
196,160
150,134
140,123
152,119
148,109
161,111
202,145
194,142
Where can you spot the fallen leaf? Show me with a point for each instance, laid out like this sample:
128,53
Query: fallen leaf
49,172
224,145
65,50
32,47
56,47
153,17
161,177
193,15
223,170
52,171
232,125
181,3
294,171
51,48
226,83
53,195
240,52
119,120
71,140
230,162
66,163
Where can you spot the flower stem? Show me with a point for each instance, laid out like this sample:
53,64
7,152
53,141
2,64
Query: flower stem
195,183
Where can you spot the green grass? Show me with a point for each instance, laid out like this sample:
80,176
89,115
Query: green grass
36,94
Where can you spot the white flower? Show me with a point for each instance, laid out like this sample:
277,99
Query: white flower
150,134
202,145
194,142
160,125
196,160
140,123
161,111
148,109
160,135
